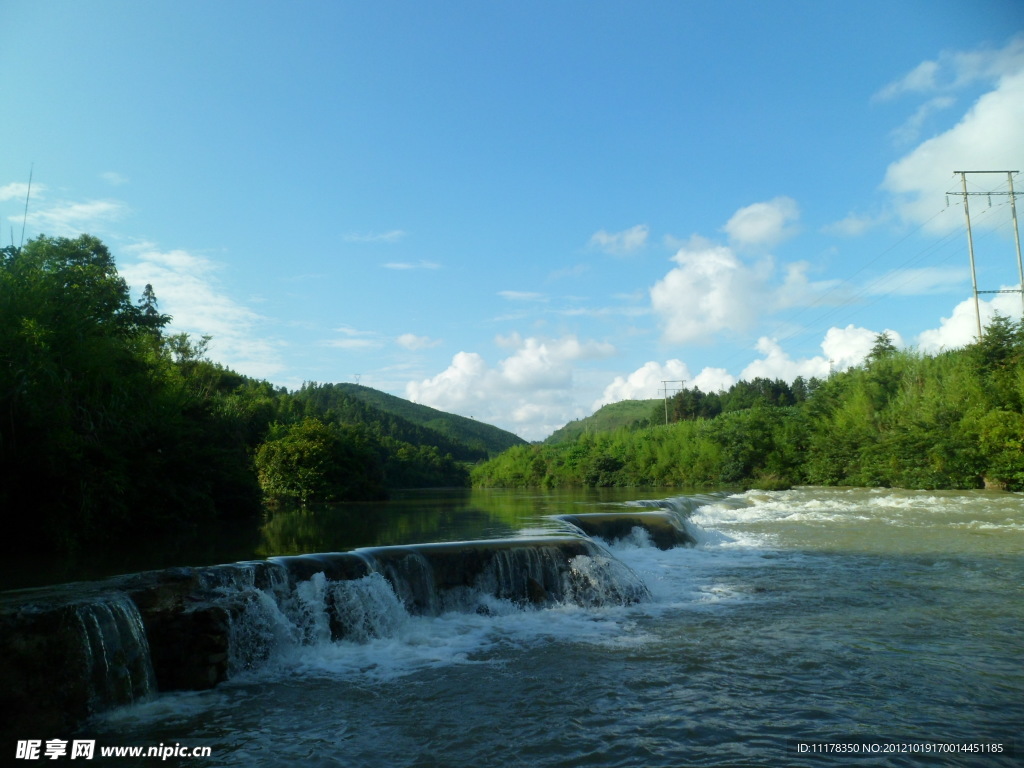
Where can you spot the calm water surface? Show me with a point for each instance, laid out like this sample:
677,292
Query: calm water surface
410,517
811,614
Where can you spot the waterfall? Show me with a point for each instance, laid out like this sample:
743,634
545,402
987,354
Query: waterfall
364,609
299,606
67,654
682,508
115,651
100,645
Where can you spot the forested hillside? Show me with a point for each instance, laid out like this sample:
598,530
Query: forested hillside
482,440
625,413
112,429
333,401
901,419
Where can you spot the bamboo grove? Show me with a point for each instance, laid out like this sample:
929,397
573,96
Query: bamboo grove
901,419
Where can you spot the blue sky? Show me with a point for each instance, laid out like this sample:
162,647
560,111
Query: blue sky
518,211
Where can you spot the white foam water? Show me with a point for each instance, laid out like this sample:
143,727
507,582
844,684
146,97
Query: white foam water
797,615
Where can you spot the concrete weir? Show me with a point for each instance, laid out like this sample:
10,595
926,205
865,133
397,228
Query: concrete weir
74,650
663,528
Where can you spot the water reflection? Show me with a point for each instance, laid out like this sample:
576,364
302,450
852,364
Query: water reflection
423,516
409,517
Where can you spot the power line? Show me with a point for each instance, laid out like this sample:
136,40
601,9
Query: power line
664,389
970,239
873,287
24,218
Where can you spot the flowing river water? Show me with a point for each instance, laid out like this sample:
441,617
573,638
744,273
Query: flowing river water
889,621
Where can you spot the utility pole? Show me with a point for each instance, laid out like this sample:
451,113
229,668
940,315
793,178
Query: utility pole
664,389
970,238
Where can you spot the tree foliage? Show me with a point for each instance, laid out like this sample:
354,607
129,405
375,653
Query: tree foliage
901,419
111,429
102,434
311,461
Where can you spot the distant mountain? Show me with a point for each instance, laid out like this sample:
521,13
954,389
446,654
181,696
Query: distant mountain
625,413
482,440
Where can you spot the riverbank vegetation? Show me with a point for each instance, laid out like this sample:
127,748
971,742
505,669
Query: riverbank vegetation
901,419
112,429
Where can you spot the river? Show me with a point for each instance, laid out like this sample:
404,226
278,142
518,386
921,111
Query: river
888,621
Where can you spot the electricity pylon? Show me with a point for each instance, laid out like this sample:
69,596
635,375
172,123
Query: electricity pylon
970,239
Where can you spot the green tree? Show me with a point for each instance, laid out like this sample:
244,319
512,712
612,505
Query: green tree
882,348
76,384
316,462
103,434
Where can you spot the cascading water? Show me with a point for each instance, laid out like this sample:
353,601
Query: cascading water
271,622
115,651
190,629
363,609
66,657
814,615
682,509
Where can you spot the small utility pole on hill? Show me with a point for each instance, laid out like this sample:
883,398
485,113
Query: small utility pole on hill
664,389
970,239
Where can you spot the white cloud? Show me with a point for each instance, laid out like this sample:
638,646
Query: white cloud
522,296
529,392
353,343
798,290
854,225
713,291
605,311
393,236
351,338
620,243
763,224
403,265
649,380
713,380
954,70
413,342
987,137
918,282
987,63
710,291
645,383
577,270
70,219
187,288
961,327
911,128
18,190
777,364
849,346
921,79
113,178
842,347
544,363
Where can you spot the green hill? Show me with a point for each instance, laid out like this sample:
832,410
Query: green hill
608,418
477,435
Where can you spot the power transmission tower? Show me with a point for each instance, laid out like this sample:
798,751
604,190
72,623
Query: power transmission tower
664,389
970,239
